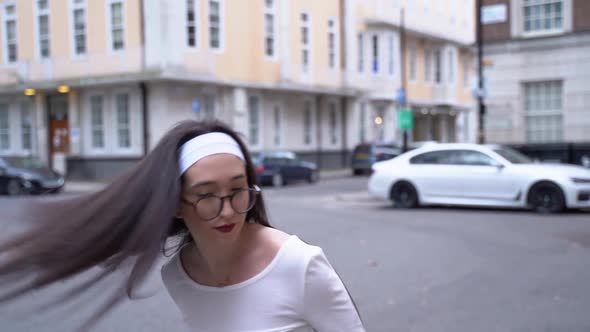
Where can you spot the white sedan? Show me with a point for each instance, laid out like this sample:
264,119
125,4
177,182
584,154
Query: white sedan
479,175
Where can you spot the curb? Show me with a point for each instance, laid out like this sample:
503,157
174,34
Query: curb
77,187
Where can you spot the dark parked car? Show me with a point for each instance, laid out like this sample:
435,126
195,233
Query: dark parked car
365,154
27,175
281,167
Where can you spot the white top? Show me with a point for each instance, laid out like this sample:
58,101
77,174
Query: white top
298,291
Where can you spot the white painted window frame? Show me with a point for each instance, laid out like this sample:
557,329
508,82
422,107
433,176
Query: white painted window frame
360,41
435,66
375,57
22,103
552,112
306,69
517,21
333,30
258,144
5,19
196,23
452,63
272,11
221,47
37,13
391,53
73,6
115,117
105,102
212,95
428,64
5,151
413,70
110,26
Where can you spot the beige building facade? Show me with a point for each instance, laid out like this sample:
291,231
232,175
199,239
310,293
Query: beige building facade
91,86
439,67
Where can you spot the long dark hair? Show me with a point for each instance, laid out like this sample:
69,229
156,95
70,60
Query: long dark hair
132,218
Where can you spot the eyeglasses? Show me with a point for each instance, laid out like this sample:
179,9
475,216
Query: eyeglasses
209,207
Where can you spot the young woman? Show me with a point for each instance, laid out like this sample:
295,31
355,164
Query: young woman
232,271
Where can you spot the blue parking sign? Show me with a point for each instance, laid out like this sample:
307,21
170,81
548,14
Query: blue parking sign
401,96
196,106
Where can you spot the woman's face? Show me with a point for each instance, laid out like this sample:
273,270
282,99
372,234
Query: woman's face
218,175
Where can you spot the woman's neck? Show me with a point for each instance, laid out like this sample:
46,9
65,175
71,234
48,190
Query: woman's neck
217,261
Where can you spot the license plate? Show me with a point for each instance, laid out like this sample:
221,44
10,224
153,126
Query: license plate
362,155
52,184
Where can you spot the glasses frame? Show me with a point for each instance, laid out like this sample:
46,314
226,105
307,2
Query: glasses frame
254,190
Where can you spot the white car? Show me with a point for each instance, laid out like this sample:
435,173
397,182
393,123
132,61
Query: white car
478,175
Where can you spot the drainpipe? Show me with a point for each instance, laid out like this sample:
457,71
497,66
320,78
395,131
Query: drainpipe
142,85
343,121
318,102
343,63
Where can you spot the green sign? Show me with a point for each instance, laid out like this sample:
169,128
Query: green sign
405,119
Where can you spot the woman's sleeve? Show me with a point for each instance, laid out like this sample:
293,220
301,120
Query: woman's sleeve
327,305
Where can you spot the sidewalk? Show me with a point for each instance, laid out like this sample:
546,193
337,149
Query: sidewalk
81,186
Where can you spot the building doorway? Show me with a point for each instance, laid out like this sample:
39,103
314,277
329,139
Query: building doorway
59,131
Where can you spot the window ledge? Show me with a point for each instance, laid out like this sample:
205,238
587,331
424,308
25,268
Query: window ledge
542,33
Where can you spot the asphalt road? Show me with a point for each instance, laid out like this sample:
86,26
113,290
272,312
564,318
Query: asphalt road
435,269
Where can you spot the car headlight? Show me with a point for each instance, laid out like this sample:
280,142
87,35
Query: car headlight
581,180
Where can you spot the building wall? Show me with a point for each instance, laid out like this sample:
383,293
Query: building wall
236,71
243,60
581,17
498,31
63,64
520,57
563,58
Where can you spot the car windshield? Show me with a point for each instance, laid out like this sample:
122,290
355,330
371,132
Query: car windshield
513,156
28,162
285,154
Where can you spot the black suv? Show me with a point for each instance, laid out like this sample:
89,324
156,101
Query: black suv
365,154
27,175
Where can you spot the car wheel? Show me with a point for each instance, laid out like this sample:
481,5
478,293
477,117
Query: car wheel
13,187
313,177
357,172
277,180
546,197
404,195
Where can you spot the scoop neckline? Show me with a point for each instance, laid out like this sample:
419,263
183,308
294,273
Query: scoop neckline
239,285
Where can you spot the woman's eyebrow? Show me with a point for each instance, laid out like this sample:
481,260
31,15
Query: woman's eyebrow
238,177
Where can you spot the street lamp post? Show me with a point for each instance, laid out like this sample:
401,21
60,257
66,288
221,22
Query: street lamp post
481,139
403,73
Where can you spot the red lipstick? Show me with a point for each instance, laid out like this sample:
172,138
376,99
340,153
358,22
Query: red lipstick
225,228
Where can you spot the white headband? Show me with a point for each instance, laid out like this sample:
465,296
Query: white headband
205,145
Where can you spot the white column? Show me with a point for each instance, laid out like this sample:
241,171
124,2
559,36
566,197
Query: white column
40,129
284,40
74,105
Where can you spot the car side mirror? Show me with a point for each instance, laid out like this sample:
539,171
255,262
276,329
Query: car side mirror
500,167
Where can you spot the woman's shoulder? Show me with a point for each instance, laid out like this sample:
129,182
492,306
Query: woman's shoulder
278,240
292,252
